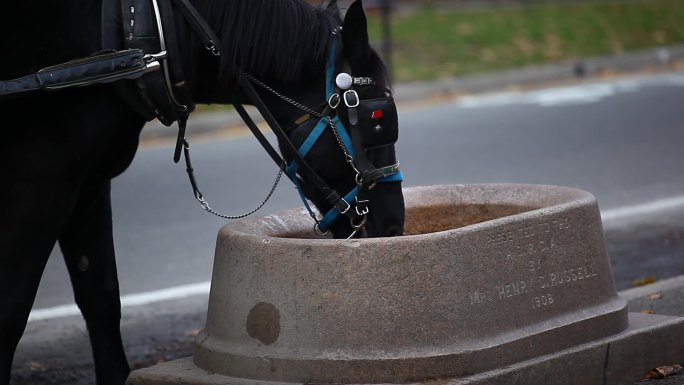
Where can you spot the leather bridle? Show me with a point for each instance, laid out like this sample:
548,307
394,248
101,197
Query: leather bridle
340,93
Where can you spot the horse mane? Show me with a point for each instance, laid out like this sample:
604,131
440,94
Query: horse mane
284,40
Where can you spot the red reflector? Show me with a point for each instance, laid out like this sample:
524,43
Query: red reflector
377,114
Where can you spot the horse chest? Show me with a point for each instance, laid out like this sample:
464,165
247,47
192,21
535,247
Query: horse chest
77,134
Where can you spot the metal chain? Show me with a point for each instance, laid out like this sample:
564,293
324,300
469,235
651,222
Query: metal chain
285,98
208,209
347,156
295,103
349,159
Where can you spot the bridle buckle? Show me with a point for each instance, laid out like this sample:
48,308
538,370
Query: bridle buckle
351,99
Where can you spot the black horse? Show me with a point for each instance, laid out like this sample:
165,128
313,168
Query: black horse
61,149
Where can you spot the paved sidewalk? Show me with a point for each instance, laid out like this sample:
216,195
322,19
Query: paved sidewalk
665,298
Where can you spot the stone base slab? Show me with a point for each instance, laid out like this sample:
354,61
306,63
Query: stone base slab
649,341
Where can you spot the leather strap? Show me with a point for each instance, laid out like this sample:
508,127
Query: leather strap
101,68
197,22
259,135
330,195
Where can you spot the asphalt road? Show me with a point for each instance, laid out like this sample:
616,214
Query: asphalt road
620,140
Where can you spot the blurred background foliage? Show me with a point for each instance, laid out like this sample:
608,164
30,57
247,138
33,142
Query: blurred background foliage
432,39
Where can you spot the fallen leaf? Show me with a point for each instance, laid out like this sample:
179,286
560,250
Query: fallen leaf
653,375
655,296
643,281
647,311
36,366
662,372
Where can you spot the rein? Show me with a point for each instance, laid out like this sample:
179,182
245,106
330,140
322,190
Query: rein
106,67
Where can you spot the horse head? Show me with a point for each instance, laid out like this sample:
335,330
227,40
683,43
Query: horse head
328,89
352,145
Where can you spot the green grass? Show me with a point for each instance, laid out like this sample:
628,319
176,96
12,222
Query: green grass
432,43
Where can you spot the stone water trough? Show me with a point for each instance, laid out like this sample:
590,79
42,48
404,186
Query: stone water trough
492,284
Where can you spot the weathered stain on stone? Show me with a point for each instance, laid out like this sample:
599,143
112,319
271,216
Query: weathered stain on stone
263,323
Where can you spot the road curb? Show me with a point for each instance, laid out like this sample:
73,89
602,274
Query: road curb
676,283
663,297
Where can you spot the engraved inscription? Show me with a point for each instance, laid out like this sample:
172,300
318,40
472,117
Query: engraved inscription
534,254
567,276
512,289
541,301
528,231
480,296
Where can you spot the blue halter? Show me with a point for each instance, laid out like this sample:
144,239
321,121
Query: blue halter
392,175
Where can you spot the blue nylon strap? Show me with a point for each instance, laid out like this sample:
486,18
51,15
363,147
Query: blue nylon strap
303,198
330,70
396,177
313,136
332,215
291,170
304,149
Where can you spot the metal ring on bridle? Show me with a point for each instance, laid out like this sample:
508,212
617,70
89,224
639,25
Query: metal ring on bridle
334,101
317,230
211,47
360,225
358,179
351,99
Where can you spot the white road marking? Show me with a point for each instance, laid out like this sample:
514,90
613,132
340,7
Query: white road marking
202,288
571,95
653,207
145,298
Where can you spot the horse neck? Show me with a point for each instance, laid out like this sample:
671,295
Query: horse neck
286,61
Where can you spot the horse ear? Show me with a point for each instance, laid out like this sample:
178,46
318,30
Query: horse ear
333,8
355,35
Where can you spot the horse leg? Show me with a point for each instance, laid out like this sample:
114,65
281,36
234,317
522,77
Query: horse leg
21,266
34,205
87,245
